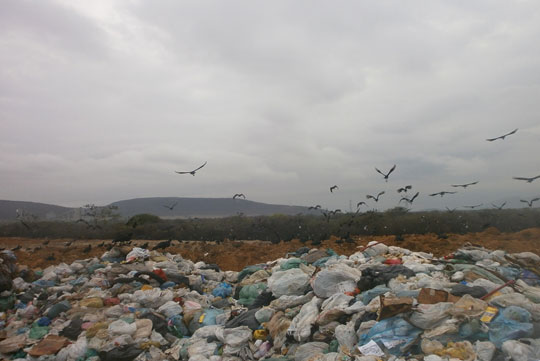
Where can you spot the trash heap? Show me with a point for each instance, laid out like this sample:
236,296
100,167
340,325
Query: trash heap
381,303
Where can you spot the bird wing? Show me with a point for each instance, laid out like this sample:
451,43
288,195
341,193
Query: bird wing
391,170
492,139
524,201
380,172
369,196
435,194
457,185
535,199
521,178
200,167
512,132
182,172
408,187
416,195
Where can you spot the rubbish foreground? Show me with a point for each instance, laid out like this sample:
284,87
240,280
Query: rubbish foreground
379,303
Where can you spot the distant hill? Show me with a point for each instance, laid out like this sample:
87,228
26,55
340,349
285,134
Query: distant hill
184,208
8,210
202,207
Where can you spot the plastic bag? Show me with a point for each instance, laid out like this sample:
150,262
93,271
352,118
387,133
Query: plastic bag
512,323
291,282
223,290
170,309
336,279
300,326
309,350
120,327
394,333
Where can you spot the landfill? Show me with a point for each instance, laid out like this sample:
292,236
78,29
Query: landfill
380,303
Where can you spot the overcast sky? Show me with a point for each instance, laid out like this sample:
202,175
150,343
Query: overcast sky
103,100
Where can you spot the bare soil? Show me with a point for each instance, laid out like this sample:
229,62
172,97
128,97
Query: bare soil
235,255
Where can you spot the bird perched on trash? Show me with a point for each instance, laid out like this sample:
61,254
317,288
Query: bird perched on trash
404,189
530,203
502,136
192,172
376,199
409,200
441,193
18,247
387,174
162,245
239,195
464,185
528,180
333,187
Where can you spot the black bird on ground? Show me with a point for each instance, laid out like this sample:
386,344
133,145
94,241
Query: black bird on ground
441,193
171,207
409,200
502,136
528,180
498,207
318,206
144,245
18,247
376,199
192,172
51,257
333,187
162,245
530,203
68,244
46,242
239,195
123,238
475,206
101,244
404,189
464,185
87,249
387,174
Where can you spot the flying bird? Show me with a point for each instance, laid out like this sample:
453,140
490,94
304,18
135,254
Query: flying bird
192,172
530,203
387,174
335,212
318,206
441,193
498,207
360,204
170,208
528,180
475,206
409,200
376,199
450,210
502,136
333,187
464,185
238,195
404,189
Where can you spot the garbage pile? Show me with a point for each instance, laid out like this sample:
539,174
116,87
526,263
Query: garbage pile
381,303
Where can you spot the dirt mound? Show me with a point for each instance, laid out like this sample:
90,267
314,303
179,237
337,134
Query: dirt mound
235,255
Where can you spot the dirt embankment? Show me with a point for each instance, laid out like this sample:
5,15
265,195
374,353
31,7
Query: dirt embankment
235,255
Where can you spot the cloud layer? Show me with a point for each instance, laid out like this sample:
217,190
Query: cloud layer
104,100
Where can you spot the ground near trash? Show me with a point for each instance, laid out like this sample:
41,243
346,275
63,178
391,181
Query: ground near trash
235,255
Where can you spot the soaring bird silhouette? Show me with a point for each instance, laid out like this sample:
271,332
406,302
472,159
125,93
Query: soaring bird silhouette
333,187
498,207
360,204
334,212
464,185
171,207
441,193
387,174
502,136
530,203
450,210
528,180
409,200
475,206
376,199
192,172
238,195
404,189
318,206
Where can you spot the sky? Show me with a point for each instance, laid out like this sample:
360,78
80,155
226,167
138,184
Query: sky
102,101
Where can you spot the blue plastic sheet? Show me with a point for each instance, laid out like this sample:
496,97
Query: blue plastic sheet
510,324
395,334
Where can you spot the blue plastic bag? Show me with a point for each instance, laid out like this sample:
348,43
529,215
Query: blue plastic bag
223,290
510,324
394,333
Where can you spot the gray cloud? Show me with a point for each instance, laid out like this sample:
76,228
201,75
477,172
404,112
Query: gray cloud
103,100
